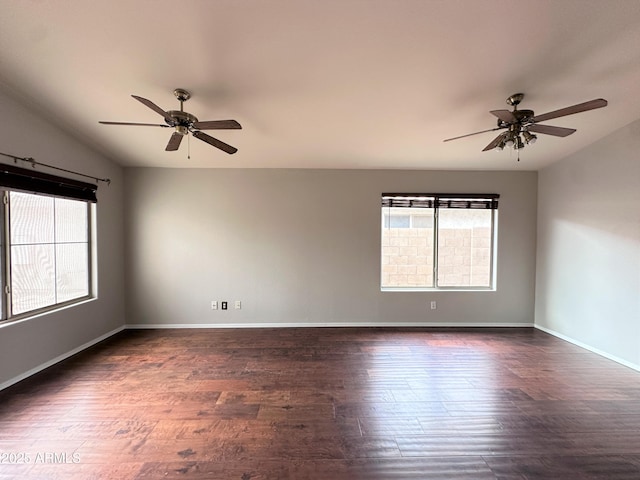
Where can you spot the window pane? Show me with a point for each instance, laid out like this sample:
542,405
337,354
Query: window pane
72,272
464,248
32,277
70,220
407,251
31,219
2,259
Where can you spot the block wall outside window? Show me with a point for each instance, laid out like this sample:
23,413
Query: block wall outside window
464,249
407,257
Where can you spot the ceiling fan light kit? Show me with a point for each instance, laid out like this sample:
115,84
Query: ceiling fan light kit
184,123
520,124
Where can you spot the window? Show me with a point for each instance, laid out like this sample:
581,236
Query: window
46,252
438,241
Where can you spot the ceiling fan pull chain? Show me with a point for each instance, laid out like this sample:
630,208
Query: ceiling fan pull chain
188,147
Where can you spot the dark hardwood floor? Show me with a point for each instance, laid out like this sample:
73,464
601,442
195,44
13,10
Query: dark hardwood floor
330,403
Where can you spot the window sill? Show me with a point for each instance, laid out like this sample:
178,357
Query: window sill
441,289
45,311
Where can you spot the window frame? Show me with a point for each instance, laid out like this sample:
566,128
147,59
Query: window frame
16,179
434,202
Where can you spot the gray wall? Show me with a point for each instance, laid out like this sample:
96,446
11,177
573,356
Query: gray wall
588,260
302,247
30,344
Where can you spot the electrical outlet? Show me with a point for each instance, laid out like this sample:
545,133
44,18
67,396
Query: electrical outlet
223,305
434,305
238,304
214,305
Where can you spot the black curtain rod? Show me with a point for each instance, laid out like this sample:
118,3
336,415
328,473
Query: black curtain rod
34,163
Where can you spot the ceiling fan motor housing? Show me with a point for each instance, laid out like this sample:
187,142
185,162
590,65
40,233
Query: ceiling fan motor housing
181,120
522,117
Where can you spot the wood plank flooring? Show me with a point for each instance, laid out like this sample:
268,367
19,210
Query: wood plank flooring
329,403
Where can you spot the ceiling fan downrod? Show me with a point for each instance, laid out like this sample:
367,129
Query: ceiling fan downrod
182,119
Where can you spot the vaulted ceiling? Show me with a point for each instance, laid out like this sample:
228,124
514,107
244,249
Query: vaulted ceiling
324,84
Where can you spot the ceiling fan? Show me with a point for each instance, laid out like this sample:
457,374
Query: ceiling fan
183,123
521,124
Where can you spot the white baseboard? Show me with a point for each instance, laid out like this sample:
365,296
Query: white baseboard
588,347
326,324
59,358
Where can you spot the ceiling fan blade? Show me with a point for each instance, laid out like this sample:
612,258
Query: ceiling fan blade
475,133
155,108
550,130
494,143
137,124
581,107
504,115
174,142
217,125
215,142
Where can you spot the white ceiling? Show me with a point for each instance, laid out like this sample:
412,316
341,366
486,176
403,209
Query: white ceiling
324,84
